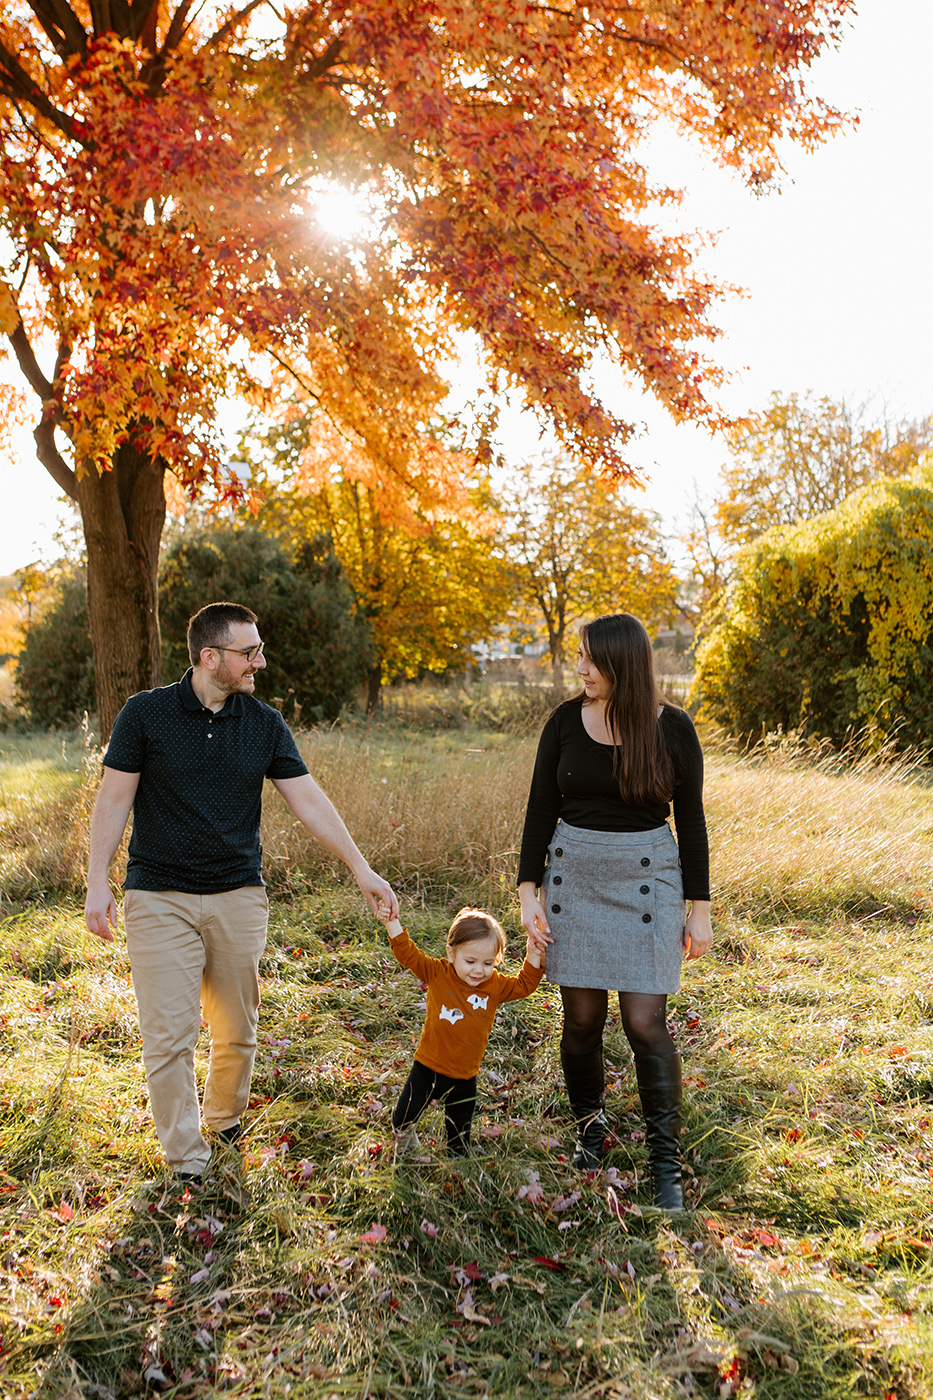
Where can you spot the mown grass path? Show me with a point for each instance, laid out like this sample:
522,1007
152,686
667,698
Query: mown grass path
315,1265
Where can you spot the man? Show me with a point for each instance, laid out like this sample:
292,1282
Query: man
190,760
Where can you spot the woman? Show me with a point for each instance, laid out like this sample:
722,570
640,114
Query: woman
610,762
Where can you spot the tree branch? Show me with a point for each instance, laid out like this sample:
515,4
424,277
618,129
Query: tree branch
177,27
22,85
326,60
44,434
62,26
53,461
29,364
145,24
102,19
233,23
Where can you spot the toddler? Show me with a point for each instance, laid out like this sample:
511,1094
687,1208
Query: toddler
464,993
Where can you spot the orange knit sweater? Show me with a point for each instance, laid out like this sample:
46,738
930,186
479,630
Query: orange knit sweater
459,1018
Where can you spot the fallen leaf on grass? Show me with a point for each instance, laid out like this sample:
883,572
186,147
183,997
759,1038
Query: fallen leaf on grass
375,1234
469,1311
64,1213
696,1356
534,1283
532,1192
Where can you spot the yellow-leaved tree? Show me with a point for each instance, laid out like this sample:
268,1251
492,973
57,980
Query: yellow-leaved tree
428,581
828,625
577,548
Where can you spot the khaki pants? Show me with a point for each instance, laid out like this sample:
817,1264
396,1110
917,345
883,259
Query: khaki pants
187,951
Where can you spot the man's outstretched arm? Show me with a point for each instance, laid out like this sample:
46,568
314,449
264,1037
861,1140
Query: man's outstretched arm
314,809
111,812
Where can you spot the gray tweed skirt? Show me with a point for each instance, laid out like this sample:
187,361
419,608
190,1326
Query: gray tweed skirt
615,904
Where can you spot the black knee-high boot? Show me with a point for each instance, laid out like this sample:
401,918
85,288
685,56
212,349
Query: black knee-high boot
583,1075
661,1093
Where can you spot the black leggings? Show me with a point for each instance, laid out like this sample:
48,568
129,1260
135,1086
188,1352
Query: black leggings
457,1095
644,1020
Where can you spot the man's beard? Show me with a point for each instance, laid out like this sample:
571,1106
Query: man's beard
228,683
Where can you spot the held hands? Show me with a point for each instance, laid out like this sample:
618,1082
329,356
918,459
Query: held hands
100,912
698,931
533,953
379,893
534,919
385,915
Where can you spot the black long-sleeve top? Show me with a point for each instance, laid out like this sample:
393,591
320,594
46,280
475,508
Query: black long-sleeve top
573,779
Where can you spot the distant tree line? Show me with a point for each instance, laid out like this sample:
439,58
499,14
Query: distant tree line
351,599
811,577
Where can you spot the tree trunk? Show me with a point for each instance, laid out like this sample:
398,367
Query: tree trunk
123,511
374,690
556,648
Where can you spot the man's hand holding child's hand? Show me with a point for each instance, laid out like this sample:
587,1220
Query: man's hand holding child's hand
393,927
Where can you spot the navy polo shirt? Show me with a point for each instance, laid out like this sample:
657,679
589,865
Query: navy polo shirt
197,808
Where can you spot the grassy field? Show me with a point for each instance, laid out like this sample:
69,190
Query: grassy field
316,1265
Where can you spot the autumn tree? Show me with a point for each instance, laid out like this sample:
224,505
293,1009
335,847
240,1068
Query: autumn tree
54,679
709,554
160,170
11,619
800,457
803,456
578,549
428,581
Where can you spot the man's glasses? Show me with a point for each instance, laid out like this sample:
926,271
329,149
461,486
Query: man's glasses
249,652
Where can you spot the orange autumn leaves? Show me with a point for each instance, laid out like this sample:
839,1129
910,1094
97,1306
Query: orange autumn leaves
157,177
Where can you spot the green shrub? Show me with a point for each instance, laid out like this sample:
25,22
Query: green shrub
828,625
317,644
54,680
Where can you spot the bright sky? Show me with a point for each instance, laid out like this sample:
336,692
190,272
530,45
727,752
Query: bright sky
836,266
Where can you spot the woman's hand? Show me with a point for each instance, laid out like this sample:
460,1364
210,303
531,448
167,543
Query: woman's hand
698,930
534,919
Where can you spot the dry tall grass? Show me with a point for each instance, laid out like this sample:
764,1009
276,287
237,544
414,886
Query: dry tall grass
792,835
805,1271
808,837
431,811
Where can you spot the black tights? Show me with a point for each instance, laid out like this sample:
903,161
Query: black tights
644,1020
457,1095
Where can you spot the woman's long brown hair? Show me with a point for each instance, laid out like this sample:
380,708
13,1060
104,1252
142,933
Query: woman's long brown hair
620,649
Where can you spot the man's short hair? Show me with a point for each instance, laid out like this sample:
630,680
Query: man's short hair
211,626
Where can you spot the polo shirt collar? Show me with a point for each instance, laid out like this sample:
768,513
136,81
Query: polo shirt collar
233,705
